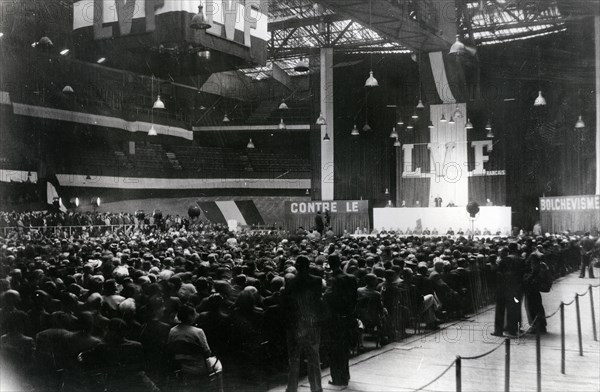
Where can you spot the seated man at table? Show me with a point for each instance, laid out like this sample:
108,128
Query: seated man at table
450,231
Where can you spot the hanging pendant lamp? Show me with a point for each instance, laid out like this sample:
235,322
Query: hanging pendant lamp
400,122
199,21
301,66
540,100
283,105
457,48
443,119
321,120
371,81
579,124
451,121
282,124
326,137
490,134
250,144
457,112
355,131
226,118
68,90
367,128
152,131
393,134
469,125
158,104
430,126
420,105
397,144
414,116
410,126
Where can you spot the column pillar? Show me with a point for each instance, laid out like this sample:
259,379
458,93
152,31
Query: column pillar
327,178
597,44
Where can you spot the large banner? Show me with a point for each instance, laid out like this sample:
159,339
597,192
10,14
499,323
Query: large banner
574,213
343,214
238,27
449,162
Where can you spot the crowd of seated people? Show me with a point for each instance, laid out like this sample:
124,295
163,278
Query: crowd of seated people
123,300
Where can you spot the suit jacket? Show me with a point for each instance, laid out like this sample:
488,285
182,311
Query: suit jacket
302,301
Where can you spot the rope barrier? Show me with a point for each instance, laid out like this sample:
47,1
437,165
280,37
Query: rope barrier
486,353
556,311
581,295
437,378
570,303
595,285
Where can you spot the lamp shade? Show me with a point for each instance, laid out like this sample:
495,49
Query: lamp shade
420,105
414,116
250,144
457,112
321,120
457,48
430,126
355,131
469,125
45,41
371,81
451,121
158,104
397,143
68,90
410,126
199,21
393,134
488,126
400,122
301,66
282,124
367,128
490,134
443,119
387,191
152,131
579,124
326,138
226,118
540,100
283,105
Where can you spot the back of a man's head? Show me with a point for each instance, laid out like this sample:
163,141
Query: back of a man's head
302,265
334,261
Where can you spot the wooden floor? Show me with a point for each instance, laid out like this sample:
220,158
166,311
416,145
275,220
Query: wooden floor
409,365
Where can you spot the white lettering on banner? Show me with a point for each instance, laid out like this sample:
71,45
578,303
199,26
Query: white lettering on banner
570,203
408,168
480,157
294,208
344,207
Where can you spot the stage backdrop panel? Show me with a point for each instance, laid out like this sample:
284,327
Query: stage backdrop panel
575,213
492,218
344,214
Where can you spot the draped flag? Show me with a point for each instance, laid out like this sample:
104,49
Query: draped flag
52,196
242,211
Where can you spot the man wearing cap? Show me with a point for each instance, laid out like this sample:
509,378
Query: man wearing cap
303,307
586,246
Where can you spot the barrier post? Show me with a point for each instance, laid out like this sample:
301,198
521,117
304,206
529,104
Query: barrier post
507,366
458,374
578,325
538,359
562,337
593,314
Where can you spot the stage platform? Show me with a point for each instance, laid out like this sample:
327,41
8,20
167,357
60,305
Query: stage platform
442,218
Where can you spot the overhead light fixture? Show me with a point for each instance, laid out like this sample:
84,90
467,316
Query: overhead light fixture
1,34
420,105
64,52
414,116
321,120
540,100
387,191
226,118
443,119
199,21
410,126
397,144
74,201
326,137
469,125
488,126
367,128
68,90
430,126
451,121
250,144
307,192
371,81
96,202
490,134
45,41
457,112
579,124
282,124
202,107
283,105
400,122
152,131
301,65
101,60
158,104
457,47
393,134
355,131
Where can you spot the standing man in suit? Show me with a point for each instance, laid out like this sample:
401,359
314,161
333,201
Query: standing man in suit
341,297
303,308
438,201
509,291
319,223
586,246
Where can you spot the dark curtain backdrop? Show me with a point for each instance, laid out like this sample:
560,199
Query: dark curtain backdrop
339,222
488,187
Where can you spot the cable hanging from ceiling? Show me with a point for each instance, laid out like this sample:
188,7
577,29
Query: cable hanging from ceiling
371,81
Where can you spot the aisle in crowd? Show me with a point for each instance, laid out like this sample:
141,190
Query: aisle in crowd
147,305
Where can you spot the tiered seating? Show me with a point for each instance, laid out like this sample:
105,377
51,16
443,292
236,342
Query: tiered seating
279,164
149,156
